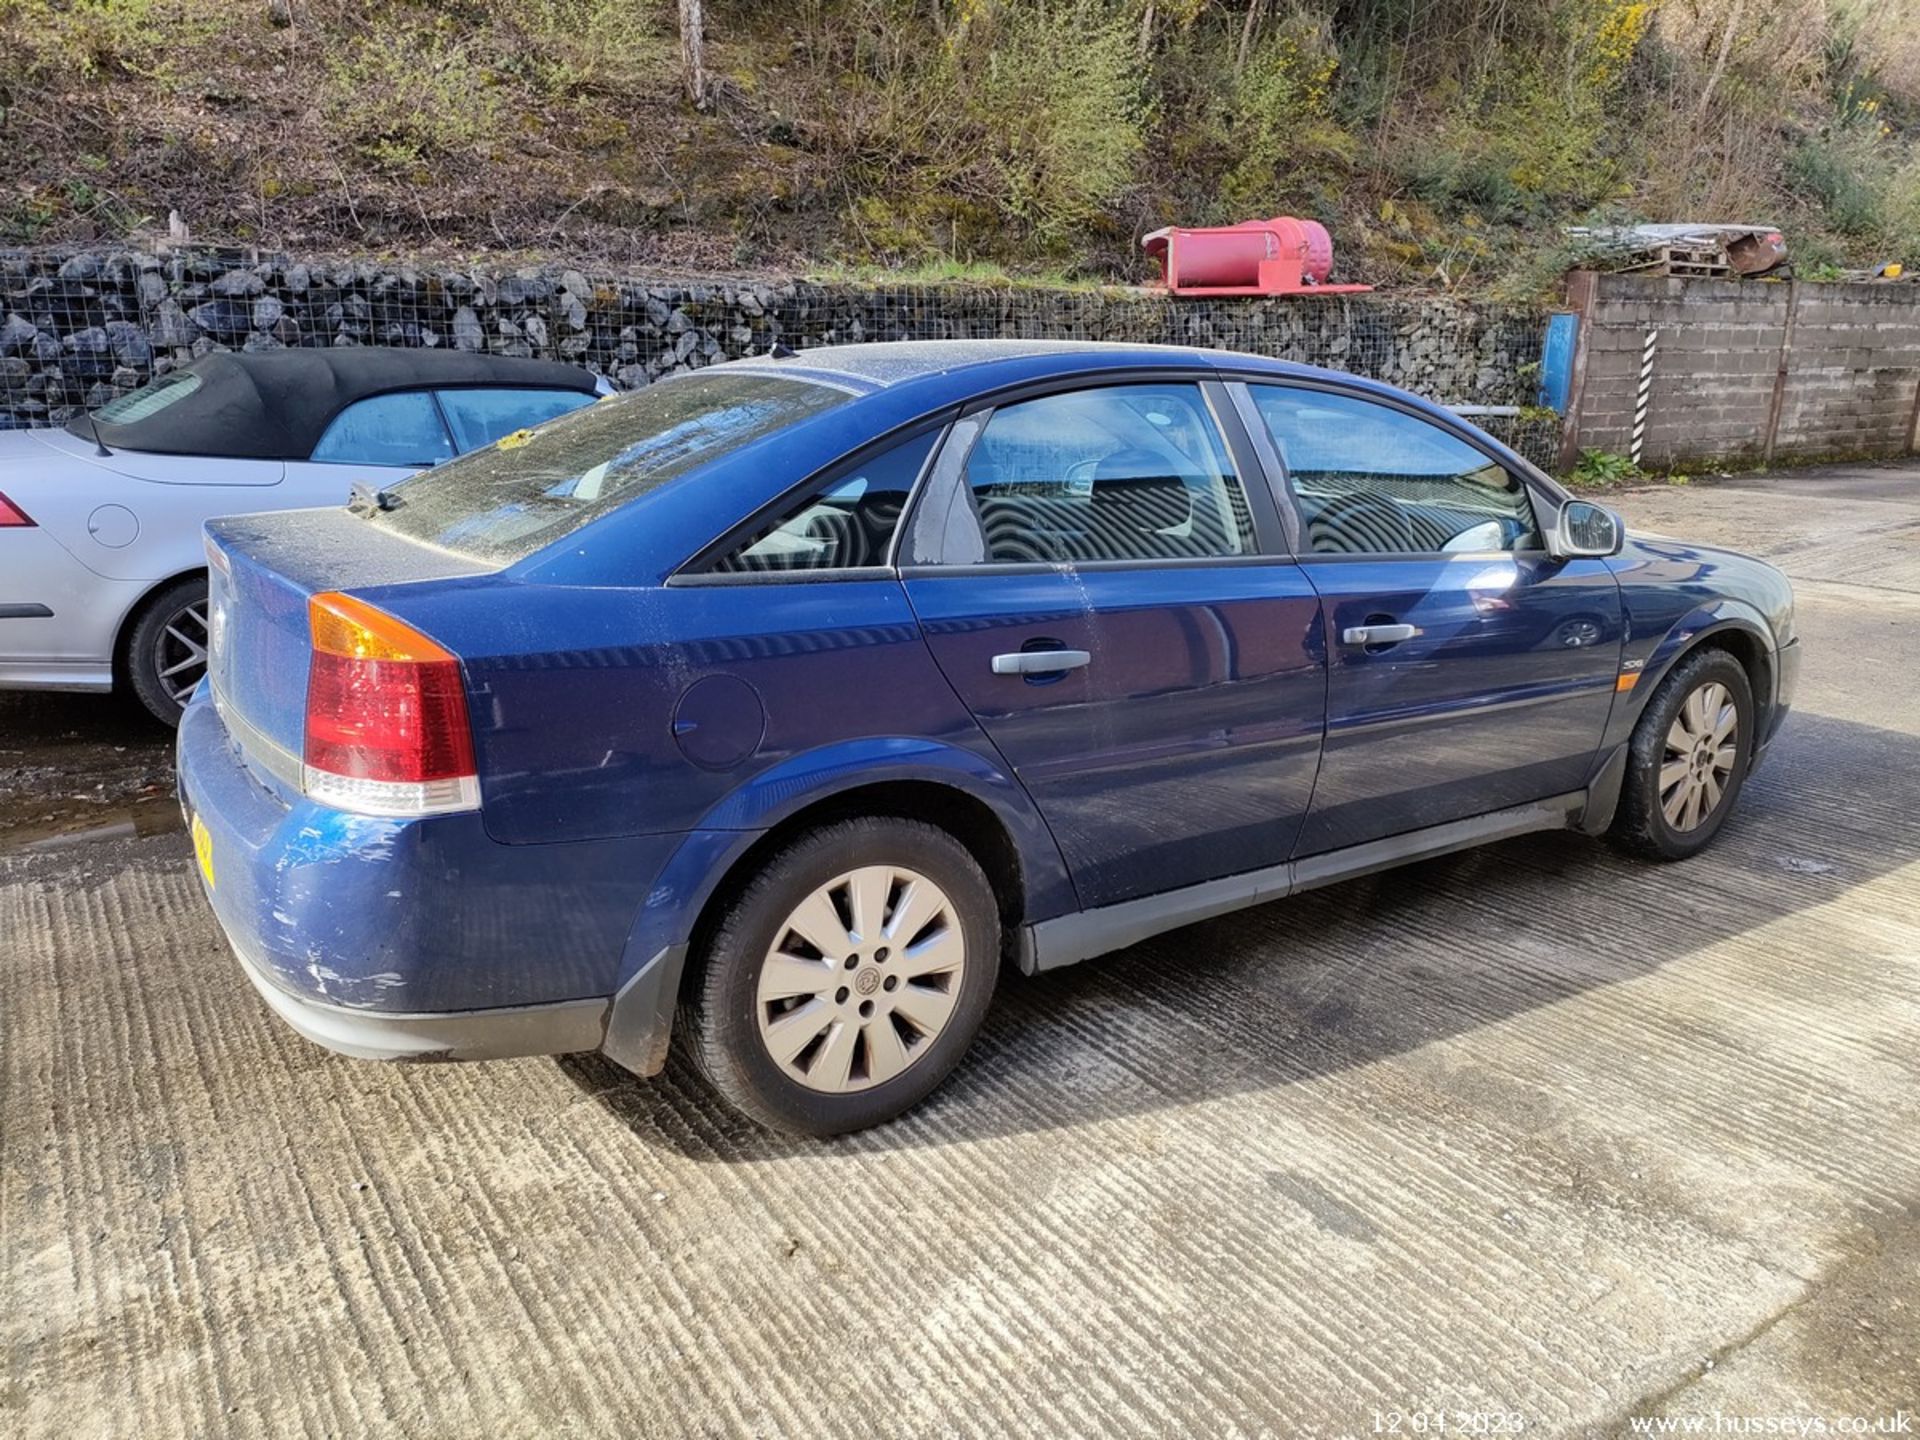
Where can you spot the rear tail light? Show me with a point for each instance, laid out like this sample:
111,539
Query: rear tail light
386,716
11,515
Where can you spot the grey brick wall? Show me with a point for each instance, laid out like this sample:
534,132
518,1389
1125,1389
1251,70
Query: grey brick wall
1851,356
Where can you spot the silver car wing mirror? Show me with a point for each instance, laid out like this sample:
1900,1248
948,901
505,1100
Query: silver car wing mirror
1585,530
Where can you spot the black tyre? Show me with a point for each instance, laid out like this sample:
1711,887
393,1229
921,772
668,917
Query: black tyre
1687,759
847,979
165,653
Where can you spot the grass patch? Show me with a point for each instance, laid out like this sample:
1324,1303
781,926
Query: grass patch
948,271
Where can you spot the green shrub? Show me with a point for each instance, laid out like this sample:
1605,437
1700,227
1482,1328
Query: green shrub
1280,120
1833,174
409,92
586,47
1529,123
1900,213
1601,469
1019,132
1055,101
92,39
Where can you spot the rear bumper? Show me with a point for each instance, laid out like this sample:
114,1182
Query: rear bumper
498,1034
425,939
633,1028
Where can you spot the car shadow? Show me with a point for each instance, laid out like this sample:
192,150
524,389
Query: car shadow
1377,967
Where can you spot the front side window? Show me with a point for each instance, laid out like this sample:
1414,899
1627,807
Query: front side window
481,416
1124,472
501,503
402,430
844,523
1370,479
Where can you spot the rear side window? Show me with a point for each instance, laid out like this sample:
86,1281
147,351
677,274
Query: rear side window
501,503
846,522
1370,479
1124,472
402,430
480,417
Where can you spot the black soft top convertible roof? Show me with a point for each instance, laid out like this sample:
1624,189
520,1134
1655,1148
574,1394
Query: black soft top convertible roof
276,404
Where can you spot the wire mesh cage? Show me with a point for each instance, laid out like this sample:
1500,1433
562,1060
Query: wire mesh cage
78,327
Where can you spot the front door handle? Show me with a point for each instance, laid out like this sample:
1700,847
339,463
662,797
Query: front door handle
1377,634
1039,662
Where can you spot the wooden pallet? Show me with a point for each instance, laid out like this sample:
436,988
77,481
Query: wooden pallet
1701,262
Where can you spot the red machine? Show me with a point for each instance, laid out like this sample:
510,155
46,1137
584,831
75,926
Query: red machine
1282,256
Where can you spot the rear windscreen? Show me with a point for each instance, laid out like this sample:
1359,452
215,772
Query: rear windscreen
528,489
149,399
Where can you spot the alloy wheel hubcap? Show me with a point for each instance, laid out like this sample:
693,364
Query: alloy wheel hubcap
180,654
861,979
1702,744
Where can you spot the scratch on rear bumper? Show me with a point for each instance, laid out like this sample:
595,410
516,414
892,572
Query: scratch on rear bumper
564,1028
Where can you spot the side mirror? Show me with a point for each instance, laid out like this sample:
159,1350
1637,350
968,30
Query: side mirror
1587,530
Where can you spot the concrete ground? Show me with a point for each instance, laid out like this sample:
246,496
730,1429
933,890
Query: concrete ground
1532,1132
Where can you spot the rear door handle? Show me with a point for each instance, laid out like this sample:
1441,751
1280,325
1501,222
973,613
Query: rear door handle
1377,634
1039,662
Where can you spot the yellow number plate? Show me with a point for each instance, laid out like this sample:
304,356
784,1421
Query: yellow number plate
203,849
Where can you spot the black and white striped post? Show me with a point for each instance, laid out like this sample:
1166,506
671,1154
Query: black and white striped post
1642,397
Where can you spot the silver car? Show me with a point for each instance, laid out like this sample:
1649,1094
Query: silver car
102,572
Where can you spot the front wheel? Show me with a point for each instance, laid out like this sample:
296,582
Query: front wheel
1687,759
847,979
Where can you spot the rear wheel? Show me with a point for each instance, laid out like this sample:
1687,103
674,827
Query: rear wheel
166,649
1688,759
847,979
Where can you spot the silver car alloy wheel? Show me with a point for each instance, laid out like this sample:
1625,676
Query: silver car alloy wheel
861,979
1702,745
180,651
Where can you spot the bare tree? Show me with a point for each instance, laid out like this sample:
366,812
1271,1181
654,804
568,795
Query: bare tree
1720,60
1254,7
693,50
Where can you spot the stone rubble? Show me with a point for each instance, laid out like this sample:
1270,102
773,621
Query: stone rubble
77,328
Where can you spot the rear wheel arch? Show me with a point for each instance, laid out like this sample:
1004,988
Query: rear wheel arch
855,1021
965,817
130,622
138,609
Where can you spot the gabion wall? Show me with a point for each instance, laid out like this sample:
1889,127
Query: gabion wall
79,327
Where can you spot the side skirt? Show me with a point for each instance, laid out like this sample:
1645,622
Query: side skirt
1071,938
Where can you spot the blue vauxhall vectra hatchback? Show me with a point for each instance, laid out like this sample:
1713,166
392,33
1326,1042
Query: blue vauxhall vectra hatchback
782,703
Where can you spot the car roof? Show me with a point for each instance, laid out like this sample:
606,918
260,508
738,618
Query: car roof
882,365
276,404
